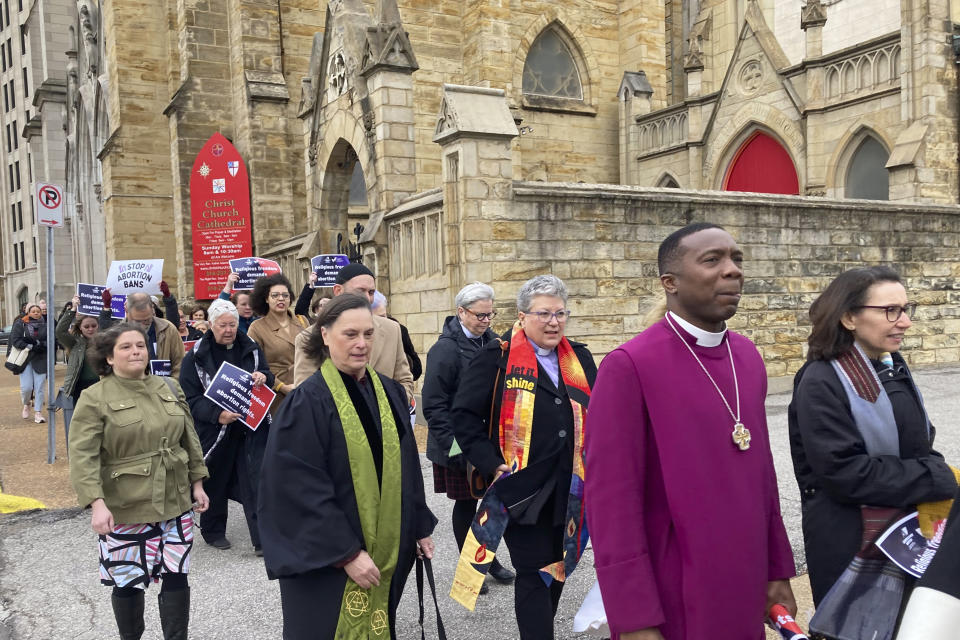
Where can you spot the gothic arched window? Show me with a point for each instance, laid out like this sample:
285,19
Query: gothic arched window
867,176
550,69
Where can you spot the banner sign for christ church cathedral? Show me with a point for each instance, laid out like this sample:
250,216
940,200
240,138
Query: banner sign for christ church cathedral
219,214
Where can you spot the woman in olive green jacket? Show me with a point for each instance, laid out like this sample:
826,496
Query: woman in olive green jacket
136,461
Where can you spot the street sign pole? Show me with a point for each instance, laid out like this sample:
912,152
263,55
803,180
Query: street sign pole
51,356
49,209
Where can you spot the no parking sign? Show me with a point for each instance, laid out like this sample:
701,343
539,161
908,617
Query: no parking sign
49,204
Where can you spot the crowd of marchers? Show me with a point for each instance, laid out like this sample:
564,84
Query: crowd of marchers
661,457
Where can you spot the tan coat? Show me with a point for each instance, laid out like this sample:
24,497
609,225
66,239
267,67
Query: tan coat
169,345
278,345
387,356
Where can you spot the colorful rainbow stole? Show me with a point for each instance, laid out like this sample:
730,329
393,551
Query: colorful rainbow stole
516,425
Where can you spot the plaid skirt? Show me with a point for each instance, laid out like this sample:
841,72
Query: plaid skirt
451,481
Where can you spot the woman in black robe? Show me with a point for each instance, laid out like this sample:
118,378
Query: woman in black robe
310,515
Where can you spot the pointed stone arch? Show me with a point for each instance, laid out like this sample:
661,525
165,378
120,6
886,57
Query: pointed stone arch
755,144
668,181
345,143
577,42
846,149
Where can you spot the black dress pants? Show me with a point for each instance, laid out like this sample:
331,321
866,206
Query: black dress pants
213,521
533,547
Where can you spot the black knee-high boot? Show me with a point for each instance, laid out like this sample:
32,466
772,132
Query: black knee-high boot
174,613
129,614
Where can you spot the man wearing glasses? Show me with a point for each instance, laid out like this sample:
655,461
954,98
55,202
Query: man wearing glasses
386,356
464,334
163,337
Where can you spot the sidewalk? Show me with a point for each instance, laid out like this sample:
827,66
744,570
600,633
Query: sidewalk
23,454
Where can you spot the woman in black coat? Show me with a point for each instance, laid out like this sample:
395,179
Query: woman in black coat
231,450
342,509
859,434
536,496
32,332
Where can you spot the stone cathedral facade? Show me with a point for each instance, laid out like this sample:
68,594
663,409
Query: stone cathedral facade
456,140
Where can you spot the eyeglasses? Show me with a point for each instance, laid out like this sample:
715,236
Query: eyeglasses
546,316
279,296
894,311
482,316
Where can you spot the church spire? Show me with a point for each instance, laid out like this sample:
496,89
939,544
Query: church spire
389,13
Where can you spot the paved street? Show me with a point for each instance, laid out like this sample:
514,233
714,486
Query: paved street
49,587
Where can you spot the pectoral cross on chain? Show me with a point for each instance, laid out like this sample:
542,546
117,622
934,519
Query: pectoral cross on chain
741,436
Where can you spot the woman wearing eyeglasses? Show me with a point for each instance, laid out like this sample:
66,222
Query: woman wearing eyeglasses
529,391
276,330
859,434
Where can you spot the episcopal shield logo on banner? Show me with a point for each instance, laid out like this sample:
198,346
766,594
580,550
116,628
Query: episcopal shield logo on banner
219,214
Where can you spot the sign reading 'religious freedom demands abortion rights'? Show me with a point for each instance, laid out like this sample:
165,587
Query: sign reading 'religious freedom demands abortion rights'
219,214
252,269
135,276
91,301
232,389
327,267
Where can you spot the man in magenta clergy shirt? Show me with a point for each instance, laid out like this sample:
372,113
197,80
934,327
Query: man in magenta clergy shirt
681,489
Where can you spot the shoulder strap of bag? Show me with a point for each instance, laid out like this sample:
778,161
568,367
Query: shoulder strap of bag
421,562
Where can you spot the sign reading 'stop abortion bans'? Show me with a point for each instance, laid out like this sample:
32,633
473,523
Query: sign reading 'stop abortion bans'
232,389
327,267
219,214
252,269
135,276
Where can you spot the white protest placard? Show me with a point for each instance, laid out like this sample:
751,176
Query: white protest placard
135,276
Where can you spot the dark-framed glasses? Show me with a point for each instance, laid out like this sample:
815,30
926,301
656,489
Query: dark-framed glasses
894,311
481,316
546,316
279,295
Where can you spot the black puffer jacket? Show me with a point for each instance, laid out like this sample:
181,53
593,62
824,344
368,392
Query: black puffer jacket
452,352
32,333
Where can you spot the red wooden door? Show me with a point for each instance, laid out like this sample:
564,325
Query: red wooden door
762,165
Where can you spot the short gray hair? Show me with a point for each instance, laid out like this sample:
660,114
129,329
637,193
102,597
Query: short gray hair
473,292
547,285
219,307
138,302
379,300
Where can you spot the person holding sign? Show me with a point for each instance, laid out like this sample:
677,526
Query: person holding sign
163,338
75,334
136,462
231,450
241,300
276,330
343,513
386,354
859,433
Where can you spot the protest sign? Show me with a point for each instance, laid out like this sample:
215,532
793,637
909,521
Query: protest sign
327,267
118,306
252,269
906,547
91,299
135,276
161,367
232,389
219,214
189,344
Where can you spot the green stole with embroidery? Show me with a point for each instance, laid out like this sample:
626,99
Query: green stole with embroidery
364,613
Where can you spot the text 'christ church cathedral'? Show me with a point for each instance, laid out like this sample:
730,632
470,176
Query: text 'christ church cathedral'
496,139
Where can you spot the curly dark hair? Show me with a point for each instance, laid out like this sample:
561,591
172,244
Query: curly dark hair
105,341
261,290
315,348
847,292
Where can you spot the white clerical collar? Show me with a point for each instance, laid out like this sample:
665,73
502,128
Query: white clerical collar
468,333
540,350
704,338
